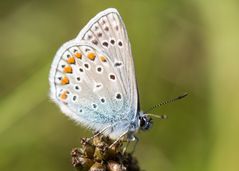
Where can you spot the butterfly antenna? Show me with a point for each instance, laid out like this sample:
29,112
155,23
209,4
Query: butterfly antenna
166,102
157,116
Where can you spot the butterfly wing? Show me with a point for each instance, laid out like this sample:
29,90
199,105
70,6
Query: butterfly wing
108,32
94,83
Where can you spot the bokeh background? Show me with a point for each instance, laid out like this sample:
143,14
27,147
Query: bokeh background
178,46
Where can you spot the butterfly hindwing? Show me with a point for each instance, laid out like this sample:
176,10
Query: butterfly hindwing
85,86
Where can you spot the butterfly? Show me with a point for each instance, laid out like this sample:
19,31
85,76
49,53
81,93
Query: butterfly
92,79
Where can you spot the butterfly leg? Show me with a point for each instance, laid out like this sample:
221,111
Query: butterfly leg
135,144
118,139
100,132
136,139
126,147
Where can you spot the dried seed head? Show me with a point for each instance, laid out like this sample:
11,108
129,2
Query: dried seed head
97,154
99,139
98,167
87,148
101,152
114,166
75,152
81,162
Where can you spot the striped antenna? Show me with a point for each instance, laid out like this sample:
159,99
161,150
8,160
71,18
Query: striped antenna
166,102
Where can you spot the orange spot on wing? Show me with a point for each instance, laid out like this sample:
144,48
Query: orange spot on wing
68,69
91,56
103,59
64,81
71,60
78,55
64,95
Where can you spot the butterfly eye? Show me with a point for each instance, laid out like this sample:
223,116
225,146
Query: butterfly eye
145,122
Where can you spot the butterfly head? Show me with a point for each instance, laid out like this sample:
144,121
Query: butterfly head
145,121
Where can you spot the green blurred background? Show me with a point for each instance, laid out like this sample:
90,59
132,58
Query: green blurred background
178,46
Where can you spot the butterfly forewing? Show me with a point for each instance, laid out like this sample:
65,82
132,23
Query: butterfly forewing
107,31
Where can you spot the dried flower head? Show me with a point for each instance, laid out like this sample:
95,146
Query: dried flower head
96,154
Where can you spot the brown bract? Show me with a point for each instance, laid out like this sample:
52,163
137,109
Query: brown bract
95,155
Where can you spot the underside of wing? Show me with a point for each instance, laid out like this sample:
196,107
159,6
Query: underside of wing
86,86
107,31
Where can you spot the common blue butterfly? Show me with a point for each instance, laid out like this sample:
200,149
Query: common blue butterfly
92,79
